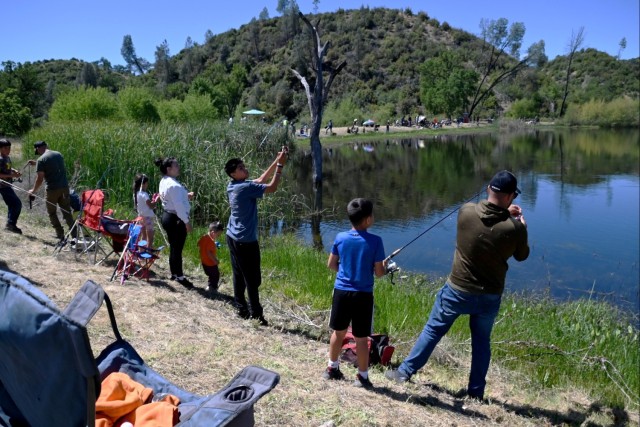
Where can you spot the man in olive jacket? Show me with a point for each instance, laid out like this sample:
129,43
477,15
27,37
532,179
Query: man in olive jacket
488,234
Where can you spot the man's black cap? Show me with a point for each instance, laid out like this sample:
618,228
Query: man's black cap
504,182
39,144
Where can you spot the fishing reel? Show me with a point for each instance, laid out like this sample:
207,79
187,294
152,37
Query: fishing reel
392,267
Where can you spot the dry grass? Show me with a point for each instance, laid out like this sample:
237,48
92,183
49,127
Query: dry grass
200,344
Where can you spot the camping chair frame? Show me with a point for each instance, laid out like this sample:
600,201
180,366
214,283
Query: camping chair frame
136,258
117,232
87,226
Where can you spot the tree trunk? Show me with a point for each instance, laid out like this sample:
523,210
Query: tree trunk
574,45
316,159
316,96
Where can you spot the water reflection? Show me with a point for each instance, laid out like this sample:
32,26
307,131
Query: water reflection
580,196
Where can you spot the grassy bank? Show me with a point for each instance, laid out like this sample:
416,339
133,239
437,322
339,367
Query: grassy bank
583,344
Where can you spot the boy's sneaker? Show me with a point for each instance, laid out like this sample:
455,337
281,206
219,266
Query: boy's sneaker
397,376
332,374
362,382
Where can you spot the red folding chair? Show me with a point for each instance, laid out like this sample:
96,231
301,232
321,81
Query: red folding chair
88,241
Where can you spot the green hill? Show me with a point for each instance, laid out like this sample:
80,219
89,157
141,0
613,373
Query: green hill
384,50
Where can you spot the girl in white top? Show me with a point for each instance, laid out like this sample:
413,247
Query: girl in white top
175,218
144,207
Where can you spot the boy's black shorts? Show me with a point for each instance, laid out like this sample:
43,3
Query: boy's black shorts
352,307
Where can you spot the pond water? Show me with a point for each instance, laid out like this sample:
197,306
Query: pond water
580,196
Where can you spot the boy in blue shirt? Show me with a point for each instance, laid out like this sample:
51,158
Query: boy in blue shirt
356,256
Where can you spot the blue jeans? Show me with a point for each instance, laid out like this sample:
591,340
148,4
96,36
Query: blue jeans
14,205
449,305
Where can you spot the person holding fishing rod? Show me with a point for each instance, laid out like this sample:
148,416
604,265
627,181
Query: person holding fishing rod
488,234
7,174
242,230
50,170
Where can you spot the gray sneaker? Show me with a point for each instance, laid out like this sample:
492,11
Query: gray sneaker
362,382
397,376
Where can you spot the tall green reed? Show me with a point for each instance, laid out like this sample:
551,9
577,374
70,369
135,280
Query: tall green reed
108,154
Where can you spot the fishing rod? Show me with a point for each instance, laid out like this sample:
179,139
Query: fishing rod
392,266
33,196
265,137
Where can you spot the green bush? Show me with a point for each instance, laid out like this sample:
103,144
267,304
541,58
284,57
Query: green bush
15,119
343,112
138,105
620,112
523,108
194,108
84,103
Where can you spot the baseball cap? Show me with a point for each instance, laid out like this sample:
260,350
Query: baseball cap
504,182
39,144
5,143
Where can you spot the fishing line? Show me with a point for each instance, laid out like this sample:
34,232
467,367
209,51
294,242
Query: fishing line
265,137
15,187
397,251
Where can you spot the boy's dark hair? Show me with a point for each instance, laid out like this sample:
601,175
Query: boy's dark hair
359,209
231,165
216,226
165,163
5,143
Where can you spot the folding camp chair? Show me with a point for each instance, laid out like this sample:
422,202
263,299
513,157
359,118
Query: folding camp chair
49,377
88,225
137,256
93,224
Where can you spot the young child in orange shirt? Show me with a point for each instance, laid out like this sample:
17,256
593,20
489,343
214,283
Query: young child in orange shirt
209,255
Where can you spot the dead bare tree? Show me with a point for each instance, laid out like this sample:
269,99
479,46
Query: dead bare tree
574,44
317,95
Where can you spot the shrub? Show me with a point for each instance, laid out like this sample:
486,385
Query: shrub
138,105
15,119
620,112
84,103
523,108
194,108
343,112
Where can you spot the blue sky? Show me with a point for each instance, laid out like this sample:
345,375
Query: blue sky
43,29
